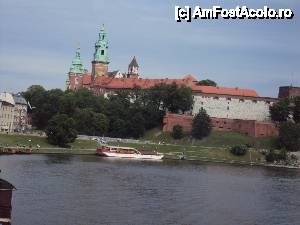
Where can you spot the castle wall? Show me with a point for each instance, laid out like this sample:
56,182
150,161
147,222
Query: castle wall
248,127
233,107
288,92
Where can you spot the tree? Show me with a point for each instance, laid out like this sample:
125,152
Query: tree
238,150
118,128
207,82
61,130
137,126
177,132
296,110
280,110
171,97
90,123
201,126
289,136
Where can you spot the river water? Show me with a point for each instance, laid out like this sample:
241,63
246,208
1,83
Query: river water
89,190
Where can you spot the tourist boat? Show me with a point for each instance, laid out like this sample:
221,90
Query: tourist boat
126,152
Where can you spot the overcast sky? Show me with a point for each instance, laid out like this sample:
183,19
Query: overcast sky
38,41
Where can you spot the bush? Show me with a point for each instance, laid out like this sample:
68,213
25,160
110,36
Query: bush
289,136
239,150
201,125
61,130
276,155
177,132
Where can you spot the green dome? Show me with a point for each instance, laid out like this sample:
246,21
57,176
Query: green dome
76,66
101,47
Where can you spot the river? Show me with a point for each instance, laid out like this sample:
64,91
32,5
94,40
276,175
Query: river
89,190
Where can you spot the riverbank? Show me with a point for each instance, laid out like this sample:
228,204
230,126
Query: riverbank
216,154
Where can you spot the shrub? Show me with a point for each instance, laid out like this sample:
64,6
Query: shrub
177,132
289,136
238,150
276,155
201,125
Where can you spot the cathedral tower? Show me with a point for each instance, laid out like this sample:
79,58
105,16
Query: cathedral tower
100,61
133,69
76,71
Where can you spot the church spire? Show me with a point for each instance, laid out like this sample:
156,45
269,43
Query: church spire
133,69
101,47
77,66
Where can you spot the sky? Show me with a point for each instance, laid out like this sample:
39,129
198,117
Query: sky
38,40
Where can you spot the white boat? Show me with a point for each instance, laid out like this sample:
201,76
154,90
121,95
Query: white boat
127,152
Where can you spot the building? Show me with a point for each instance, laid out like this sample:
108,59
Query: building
231,103
13,113
20,115
103,82
133,69
231,108
288,92
7,112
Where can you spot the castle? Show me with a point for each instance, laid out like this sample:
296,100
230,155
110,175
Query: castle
103,82
233,109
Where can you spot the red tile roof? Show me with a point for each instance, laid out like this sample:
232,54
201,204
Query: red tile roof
129,83
224,91
188,80
86,79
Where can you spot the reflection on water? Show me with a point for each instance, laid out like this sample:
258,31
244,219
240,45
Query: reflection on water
92,190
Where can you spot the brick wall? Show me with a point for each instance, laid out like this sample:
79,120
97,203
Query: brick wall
249,127
288,92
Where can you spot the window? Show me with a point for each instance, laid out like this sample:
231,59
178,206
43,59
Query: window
229,99
227,107
102,52
216,97
255,101
242,100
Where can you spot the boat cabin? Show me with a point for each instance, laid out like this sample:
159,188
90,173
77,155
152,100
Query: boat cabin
5,202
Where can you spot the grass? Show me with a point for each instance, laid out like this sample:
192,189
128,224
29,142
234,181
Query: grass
198,152
214,148
14,140
216,139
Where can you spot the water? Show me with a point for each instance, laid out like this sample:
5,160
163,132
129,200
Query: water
88,190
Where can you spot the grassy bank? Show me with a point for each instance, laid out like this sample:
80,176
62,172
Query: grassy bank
215,148
216,139
203,153
14,140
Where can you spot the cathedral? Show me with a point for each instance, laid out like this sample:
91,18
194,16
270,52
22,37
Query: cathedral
231,109
103,82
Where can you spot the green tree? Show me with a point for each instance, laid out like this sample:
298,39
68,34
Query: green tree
207,82
100,124
118,128
296,110
172,97
280,110
239,150
137,127
61,130
177,132
201,126
90,123
289,136
44,104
